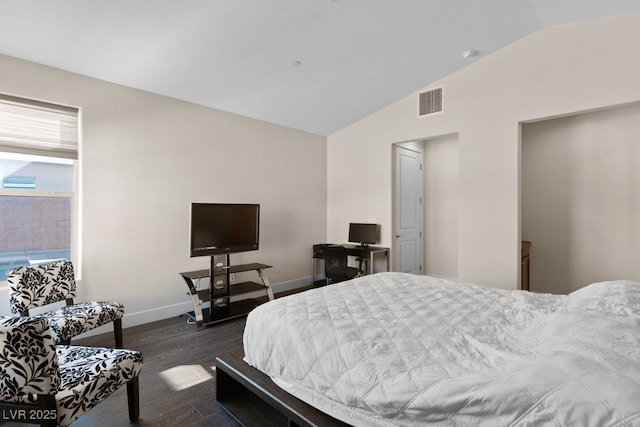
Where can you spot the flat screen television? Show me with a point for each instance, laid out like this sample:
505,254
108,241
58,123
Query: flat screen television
364,233
224,228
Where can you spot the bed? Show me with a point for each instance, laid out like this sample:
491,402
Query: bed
400,349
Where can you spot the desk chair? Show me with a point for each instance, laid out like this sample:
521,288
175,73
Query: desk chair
335,265
363,264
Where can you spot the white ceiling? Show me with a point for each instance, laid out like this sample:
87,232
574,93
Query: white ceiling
355,56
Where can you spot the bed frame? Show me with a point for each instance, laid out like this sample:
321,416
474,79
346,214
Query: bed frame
252,398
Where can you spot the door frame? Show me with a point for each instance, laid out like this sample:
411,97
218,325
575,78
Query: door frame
418,147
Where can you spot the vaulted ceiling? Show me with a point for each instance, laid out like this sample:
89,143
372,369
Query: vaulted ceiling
314,65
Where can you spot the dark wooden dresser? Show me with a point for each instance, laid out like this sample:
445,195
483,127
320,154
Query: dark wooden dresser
524,273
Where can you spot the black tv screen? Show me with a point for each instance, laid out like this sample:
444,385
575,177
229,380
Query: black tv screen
222,228
364,233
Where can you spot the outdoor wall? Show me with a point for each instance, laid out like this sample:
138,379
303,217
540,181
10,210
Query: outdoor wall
553,72
33,229
146,157
34,223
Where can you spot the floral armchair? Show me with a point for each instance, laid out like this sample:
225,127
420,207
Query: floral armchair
48,283
54,385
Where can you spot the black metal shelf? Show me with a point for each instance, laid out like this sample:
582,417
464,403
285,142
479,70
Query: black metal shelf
213,305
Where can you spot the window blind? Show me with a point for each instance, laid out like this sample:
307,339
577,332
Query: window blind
36,127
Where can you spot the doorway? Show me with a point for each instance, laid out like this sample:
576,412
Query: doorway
435,179
580,192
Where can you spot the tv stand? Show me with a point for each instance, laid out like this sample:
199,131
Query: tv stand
214,304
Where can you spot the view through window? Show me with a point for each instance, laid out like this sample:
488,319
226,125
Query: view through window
35,209
38,156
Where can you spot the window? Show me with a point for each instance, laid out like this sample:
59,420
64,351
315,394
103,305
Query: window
38,156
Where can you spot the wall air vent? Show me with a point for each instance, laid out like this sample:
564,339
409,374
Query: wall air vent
430,102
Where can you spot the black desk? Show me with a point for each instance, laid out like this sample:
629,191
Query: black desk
358,251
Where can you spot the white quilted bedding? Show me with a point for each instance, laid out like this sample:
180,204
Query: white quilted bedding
399,349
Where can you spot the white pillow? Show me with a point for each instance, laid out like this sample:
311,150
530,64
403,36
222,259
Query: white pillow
620,297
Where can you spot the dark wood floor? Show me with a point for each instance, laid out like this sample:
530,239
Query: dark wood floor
177,383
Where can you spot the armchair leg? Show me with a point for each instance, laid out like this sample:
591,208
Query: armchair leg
47,403
117,331
133,398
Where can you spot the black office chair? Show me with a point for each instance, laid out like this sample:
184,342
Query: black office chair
335,265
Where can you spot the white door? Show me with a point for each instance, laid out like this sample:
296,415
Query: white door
409,210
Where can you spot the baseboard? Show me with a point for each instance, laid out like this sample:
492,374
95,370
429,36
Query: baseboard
145,316
174,310
291,284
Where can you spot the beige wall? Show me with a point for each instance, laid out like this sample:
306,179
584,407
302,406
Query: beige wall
441,174
581,198
145,158
550,73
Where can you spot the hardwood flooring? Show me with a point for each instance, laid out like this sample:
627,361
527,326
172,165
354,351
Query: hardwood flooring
177,383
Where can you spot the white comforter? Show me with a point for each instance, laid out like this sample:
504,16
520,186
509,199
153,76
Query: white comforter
399,349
